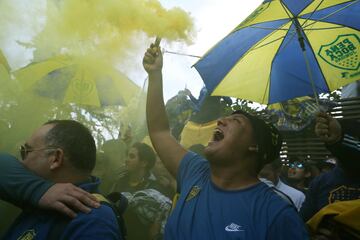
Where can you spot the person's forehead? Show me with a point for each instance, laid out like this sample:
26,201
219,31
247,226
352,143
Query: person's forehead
243,118
239,116
38,136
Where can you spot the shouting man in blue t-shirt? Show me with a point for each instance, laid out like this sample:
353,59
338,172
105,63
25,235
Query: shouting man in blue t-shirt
221,196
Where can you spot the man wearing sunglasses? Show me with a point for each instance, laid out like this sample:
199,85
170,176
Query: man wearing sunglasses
60,151
271,172
299,174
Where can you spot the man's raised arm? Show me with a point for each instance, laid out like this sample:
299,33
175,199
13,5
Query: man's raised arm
168,149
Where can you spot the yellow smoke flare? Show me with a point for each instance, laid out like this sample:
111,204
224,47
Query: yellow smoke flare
107,28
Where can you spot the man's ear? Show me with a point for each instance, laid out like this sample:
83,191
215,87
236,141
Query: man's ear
254,148
307,174
56,159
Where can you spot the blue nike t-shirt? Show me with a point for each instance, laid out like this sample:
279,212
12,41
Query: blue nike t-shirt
205,211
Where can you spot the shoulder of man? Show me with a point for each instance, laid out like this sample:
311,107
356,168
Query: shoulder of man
276,200
100,223
325,179
191,167
291,190
287,224
193,162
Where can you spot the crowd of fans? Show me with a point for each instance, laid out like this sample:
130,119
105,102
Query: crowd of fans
234,188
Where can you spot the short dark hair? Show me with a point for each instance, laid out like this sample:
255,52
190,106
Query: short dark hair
146,153
76,141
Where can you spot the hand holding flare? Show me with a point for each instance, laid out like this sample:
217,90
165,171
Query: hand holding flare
153,61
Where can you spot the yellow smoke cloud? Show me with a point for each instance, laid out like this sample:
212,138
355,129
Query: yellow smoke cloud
107,28
96,34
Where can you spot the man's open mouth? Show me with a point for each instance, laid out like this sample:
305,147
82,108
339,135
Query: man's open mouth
218,135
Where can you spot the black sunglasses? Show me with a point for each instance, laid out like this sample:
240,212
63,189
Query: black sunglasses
296,165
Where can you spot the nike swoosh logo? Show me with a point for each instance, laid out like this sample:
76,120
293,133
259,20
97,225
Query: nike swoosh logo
231,229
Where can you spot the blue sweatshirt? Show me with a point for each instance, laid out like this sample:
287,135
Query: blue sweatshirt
100,223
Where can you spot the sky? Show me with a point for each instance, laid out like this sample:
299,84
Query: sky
213,20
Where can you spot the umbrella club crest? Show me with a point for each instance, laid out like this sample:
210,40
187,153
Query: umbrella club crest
82,88
342,53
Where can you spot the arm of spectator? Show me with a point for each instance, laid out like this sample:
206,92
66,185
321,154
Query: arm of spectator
192,98
21,187
168,149
343,146
68,199
18,185
346,150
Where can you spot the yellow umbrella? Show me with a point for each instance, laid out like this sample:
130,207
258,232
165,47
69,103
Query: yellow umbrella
82,81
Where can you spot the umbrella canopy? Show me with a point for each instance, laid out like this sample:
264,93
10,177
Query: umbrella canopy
274,54
80,81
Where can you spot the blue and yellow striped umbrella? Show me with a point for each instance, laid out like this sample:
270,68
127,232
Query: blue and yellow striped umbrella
83,81
286,49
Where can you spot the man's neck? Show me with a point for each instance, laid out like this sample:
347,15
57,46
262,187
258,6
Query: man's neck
70,177
299,184
232,178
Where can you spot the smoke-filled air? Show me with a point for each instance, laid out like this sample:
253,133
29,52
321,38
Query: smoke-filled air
107,29
60,59
88,38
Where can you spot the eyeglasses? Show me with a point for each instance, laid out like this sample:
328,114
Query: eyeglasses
296,165
25,150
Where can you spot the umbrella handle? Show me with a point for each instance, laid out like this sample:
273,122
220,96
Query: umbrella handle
302,45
